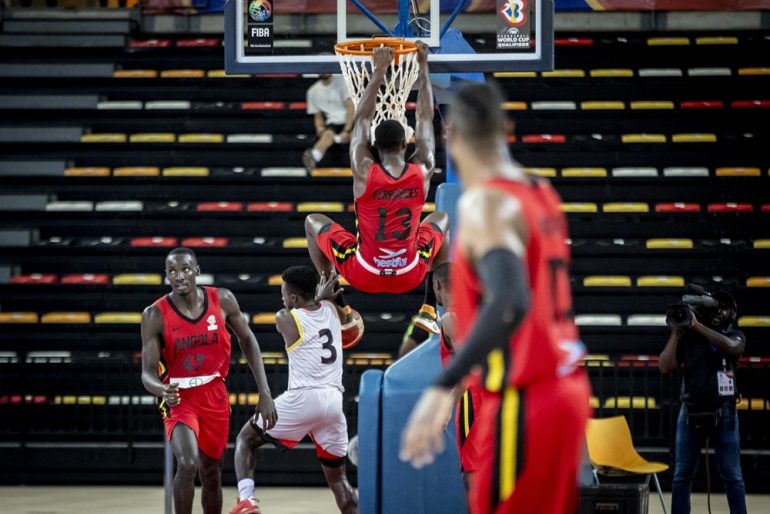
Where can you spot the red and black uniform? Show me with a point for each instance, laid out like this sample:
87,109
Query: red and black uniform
392,251
537,397
197,351
470,446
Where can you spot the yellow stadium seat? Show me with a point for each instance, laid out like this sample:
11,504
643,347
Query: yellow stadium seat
186,172
660,281
607,281
66,317
597,360
118,317
754,321
594,402
182,74
321,207
631,402
264,318
87,172
575,207
18,317
295,242
622,207
668,41
669,244
738,172
201,138
540,172
716,40
694,138
429,207
103,138
331,172
758,282
753,71
275,280
612,72
152,137
603,106
136,171
515,74
643,138
758,404
762,244
137,279
563,74
515,106
222,74
583,172
135,74
651,104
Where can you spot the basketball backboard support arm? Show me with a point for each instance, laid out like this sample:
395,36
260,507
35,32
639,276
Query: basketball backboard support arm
534,57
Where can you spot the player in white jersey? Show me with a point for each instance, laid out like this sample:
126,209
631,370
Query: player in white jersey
311,328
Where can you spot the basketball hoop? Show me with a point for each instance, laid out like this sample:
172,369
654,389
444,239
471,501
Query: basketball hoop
356,63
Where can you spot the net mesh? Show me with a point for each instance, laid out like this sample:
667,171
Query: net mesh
394,91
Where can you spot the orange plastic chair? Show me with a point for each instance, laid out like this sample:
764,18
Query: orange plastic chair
612,452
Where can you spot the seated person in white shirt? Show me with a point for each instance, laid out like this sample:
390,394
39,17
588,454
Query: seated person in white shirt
329,102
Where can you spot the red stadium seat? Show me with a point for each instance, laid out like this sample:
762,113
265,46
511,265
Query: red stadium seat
730,207
160,242
34,278
85,279
150,43
198,43
220,207
544,138
702,104
750,104
765,207
573,41
638,361
298,106
677,207
205,242
263,106
270,207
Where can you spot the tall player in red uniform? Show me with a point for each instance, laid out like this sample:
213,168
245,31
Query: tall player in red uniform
514,316
392,251
185,360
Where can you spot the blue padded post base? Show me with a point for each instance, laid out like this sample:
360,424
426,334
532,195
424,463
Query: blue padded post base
369,437
447,195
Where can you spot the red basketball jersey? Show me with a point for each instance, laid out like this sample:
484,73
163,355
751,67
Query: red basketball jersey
195,347
544,341
387,218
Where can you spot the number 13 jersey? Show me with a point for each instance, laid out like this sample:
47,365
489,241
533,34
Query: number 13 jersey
315,359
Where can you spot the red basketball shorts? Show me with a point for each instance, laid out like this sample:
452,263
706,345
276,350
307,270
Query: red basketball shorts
339,246
206,411
471,446
537,438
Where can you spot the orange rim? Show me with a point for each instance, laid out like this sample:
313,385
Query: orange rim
367,46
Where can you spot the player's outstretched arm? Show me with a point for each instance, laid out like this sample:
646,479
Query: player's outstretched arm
152,328
360,154
250,348
424,137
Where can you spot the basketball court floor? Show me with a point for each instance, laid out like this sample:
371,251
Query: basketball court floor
274,500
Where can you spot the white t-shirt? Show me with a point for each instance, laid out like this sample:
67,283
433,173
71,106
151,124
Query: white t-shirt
329,99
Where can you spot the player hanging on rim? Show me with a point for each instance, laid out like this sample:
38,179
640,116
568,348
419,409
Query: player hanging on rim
392,251
311,328
185,341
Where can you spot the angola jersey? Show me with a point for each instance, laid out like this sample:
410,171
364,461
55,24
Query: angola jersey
387,220
545,345
194,347
315,359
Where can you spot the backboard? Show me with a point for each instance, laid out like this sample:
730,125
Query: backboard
298,36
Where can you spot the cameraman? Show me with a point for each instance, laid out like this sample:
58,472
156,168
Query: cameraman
707,352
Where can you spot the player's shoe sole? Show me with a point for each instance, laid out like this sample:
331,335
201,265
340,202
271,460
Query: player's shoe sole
427,323
246,507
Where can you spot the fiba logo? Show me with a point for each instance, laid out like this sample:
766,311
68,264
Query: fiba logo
260,10
514,12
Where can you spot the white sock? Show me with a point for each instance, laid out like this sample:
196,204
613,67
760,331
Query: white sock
317,154
245,488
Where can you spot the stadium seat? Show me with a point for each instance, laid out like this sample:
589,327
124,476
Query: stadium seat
137,279
694,138
252,139
515,74
87,172
583,172
754,404
124,206
35,279
544,138
320,207
651,105
716,40
74,206
540,172
270,207
709,72
643,138
550,105
263,106
18,317
668,41
8,358
264,318
182,74
689,172
598,320
625,207
753,71
160,242
275,172
660,281
118,317
761,244
660,72
631,402
738,172
222,74
758,282
516,106
575,207
607,105
206,242
136,171
573,41
331,172
702,104
135,74
631,172
564,73
152,137
669,244
103,138
295,242
119,105
48,357
168,105
607,281
677,207
201,138
646,320
179,171
85,279
638,361
612,73
750,104
729,207
66,317
754,321
219,207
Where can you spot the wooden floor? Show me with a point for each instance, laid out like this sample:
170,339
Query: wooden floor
309,500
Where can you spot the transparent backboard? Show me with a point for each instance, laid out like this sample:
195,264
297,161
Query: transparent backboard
298,36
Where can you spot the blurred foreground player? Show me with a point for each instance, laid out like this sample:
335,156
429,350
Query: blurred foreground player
311,328
185,360
392,251
513,310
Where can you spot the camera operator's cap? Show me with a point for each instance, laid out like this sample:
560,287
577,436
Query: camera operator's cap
726,299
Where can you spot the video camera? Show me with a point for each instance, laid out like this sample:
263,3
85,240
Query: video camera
699,303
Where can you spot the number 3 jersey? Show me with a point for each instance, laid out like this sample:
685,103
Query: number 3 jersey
315,359
545,345
194,347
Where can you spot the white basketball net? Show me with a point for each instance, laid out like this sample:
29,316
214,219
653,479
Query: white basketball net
392,96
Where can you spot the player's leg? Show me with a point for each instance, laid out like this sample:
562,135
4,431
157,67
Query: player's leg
336,477
317,226
210,473
249,439
436,223
184,444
